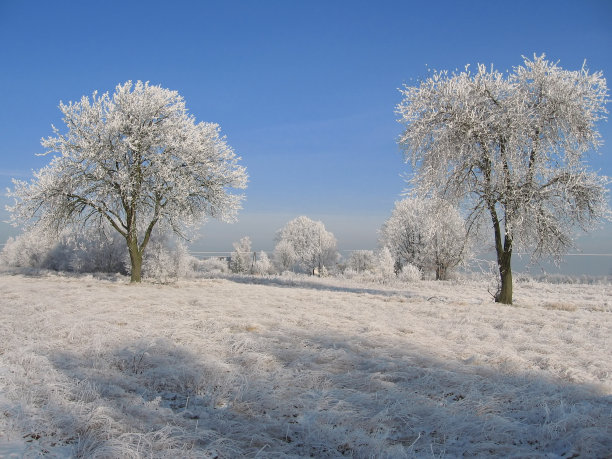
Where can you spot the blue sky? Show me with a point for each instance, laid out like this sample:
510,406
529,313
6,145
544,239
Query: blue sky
305,91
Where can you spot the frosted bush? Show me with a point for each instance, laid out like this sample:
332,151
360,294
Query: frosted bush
164,262
28,250
62,256
349,273
410,273
95,250
284,256
213,266
242,256
263,265
361,261
385,267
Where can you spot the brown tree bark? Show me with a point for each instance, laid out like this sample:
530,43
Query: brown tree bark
504,258
135,260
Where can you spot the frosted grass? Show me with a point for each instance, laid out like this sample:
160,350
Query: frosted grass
278,367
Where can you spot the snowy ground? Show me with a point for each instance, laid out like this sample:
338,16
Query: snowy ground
278,368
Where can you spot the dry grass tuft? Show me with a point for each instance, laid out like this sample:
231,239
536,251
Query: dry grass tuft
560,306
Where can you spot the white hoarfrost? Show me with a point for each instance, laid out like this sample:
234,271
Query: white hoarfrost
385,266
361,261
284,256
97,250
263,265
134,160
512,149
428,233
307,243
281,367
242,258
94,250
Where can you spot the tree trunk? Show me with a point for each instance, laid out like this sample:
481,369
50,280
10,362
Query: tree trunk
504,257
440,272
504,295
136,261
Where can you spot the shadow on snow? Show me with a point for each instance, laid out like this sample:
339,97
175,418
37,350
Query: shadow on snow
314,284
313,395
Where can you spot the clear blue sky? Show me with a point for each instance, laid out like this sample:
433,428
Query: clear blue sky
305,91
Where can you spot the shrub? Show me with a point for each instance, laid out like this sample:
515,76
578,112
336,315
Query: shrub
362,261
95,250
213,266
263,265
165,261
410,273
284,256
385,266
242,256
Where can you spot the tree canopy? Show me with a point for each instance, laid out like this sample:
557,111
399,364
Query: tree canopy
307,243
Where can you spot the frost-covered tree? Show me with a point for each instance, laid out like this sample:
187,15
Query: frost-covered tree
262,265
284,256
510,147
362,261
135,160
385,265
403,234
311,245
242,259
427,233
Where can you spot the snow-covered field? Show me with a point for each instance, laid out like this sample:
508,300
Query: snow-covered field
302,367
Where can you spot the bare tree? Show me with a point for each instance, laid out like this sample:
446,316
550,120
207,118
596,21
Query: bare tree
512,147
134,160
